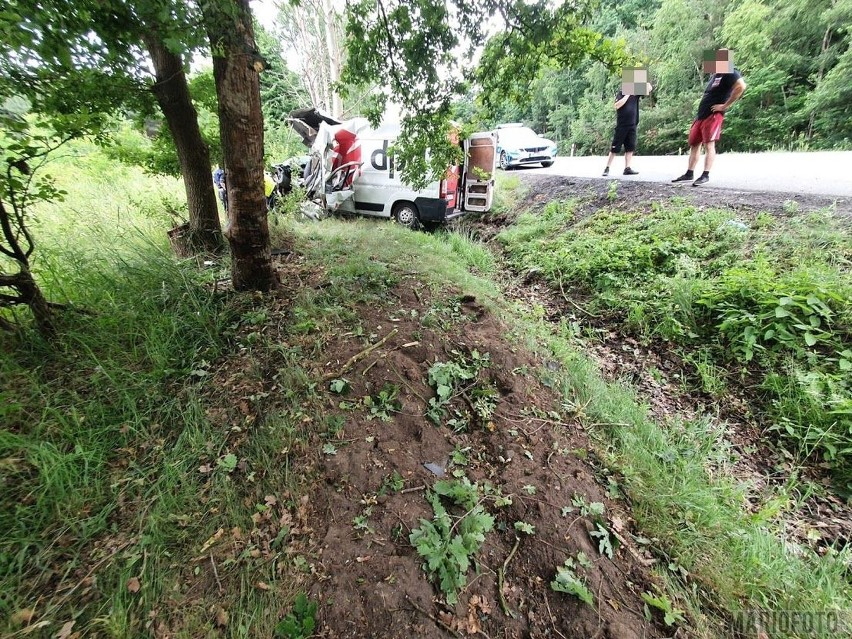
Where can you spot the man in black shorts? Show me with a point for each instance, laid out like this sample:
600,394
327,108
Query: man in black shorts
725,87
634,84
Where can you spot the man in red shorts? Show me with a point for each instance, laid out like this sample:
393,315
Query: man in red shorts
725,87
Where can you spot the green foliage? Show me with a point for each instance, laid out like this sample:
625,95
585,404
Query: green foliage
601,533
301,622
130,144
671,615
384,403
450,378
339,386
773,299
446,544
569,582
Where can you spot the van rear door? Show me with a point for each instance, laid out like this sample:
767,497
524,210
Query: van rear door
480,161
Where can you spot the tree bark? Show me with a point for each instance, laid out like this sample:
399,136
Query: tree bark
32,296
236,65
172,94
23,282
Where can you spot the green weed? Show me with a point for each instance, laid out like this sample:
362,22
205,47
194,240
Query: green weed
301,622
569,582
448,546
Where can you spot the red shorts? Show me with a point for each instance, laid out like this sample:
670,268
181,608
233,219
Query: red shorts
707,130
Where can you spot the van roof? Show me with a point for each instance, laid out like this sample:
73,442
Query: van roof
509,125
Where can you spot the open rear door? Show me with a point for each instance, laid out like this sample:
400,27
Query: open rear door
480,161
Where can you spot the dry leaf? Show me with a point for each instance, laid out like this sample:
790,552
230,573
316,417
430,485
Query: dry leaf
262,585
23,617
473,625
65,630
133,585
221,617
361,560
37,625
216,536
617,524
205,469
447,619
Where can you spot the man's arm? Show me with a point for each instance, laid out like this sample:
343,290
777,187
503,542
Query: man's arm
620,103
737,91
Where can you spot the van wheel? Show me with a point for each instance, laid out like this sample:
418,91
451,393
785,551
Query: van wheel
504,161
547,164
405,214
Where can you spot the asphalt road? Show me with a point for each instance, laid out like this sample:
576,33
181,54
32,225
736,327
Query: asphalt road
817,173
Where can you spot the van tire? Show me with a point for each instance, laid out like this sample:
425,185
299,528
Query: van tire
405,214
547,164
504,161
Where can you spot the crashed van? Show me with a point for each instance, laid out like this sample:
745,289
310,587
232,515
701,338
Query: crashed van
352,169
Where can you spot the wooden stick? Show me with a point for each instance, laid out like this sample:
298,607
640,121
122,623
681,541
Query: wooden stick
501,575
411,490
358,356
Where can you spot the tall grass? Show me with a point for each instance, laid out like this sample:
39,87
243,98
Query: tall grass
105,427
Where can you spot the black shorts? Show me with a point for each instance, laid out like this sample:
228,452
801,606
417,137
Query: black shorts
624,136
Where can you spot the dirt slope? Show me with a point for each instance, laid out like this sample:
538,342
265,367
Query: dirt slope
369,578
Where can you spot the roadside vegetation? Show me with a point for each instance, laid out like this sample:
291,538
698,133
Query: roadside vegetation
761,302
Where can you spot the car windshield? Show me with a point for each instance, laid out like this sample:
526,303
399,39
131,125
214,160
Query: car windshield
517,134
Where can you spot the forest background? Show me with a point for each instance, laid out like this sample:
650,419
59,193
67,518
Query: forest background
795,56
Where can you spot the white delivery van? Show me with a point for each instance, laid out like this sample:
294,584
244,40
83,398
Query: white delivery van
353,170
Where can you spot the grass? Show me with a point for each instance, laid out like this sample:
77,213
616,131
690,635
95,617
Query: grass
768,299
117,463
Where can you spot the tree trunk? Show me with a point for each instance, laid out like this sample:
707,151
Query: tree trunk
236,64
32,296
332,44
172,95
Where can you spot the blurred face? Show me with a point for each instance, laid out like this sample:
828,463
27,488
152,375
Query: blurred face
634,81
718,61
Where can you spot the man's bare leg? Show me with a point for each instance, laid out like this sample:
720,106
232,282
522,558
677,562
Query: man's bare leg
694,152
709,156
608,162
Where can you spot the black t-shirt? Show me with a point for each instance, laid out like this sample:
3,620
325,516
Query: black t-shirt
718,91
628,115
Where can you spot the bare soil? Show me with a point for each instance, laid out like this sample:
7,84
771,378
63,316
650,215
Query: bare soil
371,583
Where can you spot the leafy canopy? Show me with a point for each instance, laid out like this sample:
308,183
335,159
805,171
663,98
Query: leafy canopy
420,53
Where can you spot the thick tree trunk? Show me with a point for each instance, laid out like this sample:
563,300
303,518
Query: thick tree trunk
236,65
172,95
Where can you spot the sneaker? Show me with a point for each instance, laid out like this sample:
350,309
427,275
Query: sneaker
606,171
684,178
701,180
629,171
